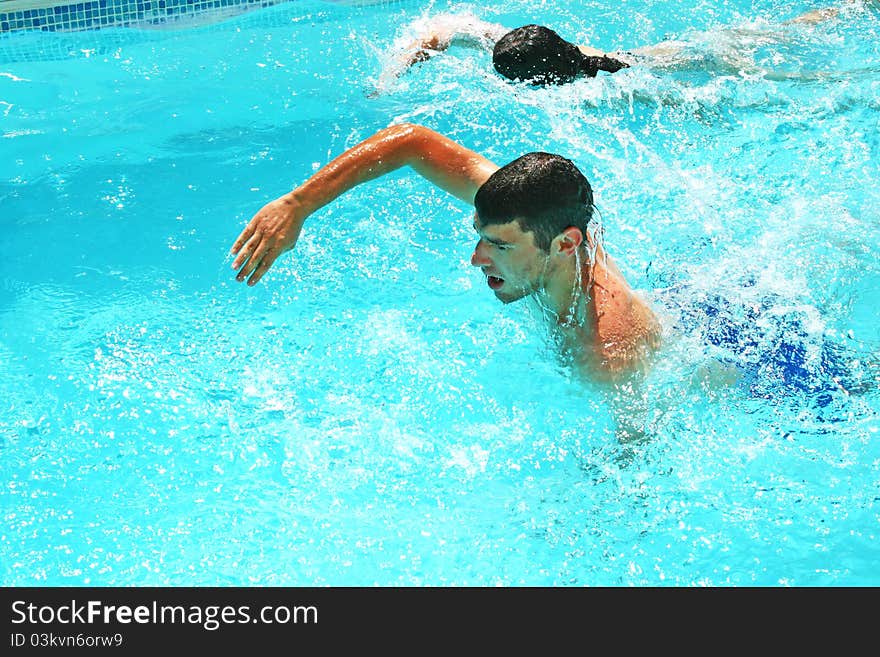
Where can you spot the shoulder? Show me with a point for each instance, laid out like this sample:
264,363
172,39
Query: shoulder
627,330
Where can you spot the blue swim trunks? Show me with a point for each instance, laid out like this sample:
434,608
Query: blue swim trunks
775,345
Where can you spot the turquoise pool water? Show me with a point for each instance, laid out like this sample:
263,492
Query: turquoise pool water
369,414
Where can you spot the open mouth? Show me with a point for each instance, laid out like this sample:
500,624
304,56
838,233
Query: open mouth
495,283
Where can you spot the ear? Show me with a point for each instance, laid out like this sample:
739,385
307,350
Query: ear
567,242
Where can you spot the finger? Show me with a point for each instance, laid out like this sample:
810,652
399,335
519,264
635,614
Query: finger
243,237
244,258
265,263
247,249
254,261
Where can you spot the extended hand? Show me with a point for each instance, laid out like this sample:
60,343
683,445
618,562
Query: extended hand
271,232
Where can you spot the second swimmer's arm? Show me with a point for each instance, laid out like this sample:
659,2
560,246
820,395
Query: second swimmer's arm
277,226
446,30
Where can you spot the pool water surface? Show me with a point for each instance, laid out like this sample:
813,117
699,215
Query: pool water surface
369,414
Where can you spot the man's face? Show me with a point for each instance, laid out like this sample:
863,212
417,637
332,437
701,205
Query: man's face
514,266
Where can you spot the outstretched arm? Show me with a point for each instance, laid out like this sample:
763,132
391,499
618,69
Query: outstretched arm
815,16
442,32
734,52
277,226
821,15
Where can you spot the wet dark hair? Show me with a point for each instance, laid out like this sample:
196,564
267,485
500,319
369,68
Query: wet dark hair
545,193
537,54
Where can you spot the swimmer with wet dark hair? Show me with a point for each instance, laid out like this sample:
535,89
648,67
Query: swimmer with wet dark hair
536,239
538,55
531,53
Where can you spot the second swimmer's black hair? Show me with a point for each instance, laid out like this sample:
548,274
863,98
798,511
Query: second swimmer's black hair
537,54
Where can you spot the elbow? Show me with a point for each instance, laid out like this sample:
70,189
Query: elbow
407,131
405,140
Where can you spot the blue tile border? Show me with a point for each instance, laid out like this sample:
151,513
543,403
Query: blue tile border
103,13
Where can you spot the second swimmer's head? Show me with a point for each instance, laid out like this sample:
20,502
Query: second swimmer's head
538,55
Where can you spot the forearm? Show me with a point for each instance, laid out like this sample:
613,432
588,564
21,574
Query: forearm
437,158
448,29
385,151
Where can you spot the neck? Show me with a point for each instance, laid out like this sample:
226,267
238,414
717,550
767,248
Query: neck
567,290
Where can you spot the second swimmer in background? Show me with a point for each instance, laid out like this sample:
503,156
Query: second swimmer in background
539,55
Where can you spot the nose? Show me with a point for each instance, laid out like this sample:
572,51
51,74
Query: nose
479,257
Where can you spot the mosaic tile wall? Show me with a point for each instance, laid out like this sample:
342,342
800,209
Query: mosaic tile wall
101,13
